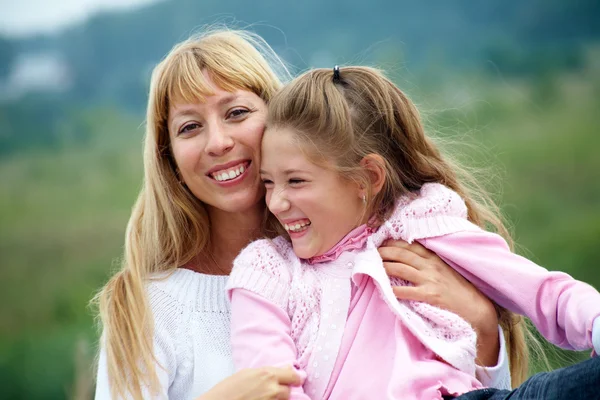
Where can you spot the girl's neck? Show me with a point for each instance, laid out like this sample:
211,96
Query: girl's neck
229,234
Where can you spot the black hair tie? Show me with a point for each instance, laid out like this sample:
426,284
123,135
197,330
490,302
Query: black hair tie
336,74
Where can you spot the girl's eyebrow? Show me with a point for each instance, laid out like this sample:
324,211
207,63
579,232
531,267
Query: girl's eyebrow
292,171
287,171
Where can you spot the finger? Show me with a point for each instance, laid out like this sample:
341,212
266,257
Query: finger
403,271
404,256
414,247
284,392
287,376
409,293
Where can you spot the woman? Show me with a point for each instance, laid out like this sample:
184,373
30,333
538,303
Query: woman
165,315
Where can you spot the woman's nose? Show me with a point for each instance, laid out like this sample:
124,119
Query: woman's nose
219,141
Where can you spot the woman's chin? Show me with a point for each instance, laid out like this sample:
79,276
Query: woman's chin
244,201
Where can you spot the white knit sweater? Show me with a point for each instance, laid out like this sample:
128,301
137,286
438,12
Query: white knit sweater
191,335
192,338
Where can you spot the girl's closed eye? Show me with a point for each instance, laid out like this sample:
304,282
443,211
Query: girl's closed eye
296,181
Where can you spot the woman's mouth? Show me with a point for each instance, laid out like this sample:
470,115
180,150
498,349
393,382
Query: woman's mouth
230,173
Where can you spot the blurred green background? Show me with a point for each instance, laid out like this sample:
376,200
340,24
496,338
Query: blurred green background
514,85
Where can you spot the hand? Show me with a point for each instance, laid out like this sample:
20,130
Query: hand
436,283
268,383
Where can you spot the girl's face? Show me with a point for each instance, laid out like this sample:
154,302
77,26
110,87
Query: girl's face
216,145
315,205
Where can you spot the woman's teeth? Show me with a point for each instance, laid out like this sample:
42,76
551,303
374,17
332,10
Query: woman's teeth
228,174
298,226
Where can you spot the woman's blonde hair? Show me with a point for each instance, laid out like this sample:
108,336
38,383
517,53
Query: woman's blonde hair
361,112
169,225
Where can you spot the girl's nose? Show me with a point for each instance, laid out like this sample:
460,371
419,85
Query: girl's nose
277,201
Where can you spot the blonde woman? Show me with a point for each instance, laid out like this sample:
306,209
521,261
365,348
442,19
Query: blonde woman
165,316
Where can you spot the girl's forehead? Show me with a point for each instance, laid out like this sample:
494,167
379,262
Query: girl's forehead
283,147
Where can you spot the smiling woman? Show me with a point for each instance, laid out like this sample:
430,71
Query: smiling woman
216,144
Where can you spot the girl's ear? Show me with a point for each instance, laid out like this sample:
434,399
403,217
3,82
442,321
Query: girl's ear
375,166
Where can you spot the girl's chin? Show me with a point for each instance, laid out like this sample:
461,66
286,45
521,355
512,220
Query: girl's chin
304,253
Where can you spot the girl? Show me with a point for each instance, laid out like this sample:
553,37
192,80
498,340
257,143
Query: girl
165,316
346,166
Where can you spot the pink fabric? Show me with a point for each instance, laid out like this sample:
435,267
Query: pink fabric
354,240
374,340
379,351
262,324
561,308
367,342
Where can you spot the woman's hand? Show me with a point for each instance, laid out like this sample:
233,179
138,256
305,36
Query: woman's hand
436,283
267,383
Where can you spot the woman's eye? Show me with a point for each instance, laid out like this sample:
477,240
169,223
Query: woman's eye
189,127
238,113
296,181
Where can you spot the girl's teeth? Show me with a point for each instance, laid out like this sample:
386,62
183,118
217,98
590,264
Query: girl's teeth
231,174
295,227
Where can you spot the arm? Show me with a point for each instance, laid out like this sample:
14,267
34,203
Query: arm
255,384
497,376
436,283
164,353
260,335
562,308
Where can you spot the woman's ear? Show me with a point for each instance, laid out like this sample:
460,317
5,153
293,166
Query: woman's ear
374,164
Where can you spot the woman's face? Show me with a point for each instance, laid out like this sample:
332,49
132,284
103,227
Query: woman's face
216,145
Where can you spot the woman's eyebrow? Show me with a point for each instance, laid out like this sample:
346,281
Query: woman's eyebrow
228,99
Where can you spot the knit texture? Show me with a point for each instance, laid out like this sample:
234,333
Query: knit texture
191,335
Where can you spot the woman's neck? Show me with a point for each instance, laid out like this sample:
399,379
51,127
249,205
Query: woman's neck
229,234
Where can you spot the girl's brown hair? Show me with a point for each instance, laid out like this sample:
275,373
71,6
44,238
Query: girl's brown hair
361,112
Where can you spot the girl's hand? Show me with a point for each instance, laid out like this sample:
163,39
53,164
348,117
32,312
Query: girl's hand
268,383
436,283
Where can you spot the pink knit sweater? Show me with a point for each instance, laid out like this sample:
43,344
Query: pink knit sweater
316,306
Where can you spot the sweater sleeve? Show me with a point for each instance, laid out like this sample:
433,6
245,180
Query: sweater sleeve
562,308
264,268
497,376
260,335
436,210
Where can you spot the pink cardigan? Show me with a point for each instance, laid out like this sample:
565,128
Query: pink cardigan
287,311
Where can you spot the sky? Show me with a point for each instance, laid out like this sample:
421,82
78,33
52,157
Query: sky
27,17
